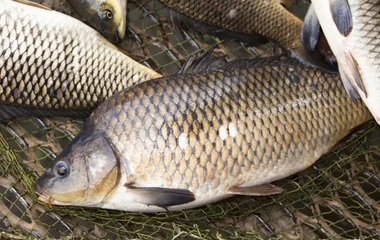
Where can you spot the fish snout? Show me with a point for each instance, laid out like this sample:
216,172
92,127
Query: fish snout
38,188
120,33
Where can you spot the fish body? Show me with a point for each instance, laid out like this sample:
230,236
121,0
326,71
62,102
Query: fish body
52,64
188,140
109,17
352,29
250,17
249,21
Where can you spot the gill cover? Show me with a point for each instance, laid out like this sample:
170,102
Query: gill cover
84,173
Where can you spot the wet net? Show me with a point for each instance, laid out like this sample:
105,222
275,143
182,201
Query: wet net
338,197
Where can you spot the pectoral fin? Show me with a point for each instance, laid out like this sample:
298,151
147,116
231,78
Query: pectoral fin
351,72
33,4
341,14
260,190
310,30
162,197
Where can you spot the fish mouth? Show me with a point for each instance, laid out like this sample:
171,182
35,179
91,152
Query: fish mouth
43,197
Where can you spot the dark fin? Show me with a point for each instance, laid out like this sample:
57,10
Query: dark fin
341,14
12,111
260,190
287,3
353,75
348,86
162,197
201,63
281,59
311,59
33,4
257,62
180,21
310,30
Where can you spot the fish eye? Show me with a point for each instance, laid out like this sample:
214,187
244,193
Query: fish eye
61,168
107,14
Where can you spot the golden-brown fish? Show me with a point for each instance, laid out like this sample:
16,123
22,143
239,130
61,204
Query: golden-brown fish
52,64
183,141
250,21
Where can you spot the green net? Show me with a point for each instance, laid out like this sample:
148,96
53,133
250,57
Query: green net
338,197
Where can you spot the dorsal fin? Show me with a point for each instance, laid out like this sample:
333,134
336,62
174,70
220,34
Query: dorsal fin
33,4
201,63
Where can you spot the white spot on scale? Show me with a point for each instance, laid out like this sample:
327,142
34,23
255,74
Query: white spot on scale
233,13
135,77
223,132
232,128
183,141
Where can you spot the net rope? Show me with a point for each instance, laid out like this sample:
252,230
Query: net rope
338,197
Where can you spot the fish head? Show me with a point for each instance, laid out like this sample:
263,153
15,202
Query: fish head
82,175
109,17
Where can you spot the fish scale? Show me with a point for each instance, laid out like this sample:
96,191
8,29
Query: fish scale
52,64
247,124
277,133
253,17
365,34
352,30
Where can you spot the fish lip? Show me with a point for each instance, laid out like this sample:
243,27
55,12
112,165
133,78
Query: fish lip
43,197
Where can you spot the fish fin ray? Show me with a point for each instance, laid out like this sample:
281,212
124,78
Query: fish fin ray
162,197
180,21
311,59
298,58
259,190
354,67
201,63
33,4
341,14
349,74
348,86
310,30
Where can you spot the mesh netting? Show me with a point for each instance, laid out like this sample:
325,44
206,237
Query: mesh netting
338,197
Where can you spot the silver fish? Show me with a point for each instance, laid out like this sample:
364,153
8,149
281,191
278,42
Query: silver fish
352,29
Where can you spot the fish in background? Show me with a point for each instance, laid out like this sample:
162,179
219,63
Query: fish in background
54,65
249,21
188,140
109,17
352,29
